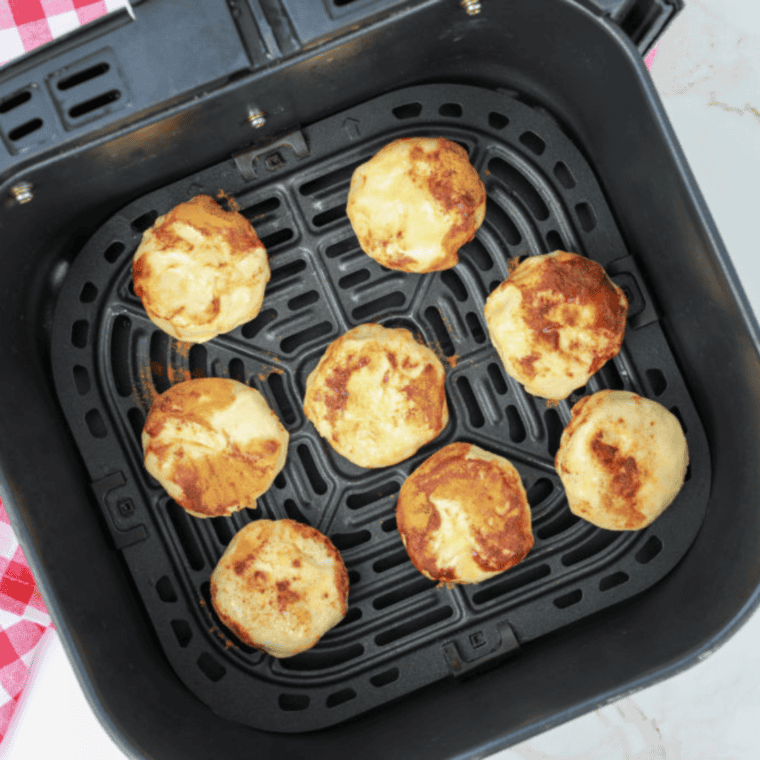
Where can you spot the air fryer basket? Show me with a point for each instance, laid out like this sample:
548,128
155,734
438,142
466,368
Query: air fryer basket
401,631
413,670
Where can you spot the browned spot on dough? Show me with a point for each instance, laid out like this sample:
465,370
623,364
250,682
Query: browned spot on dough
399,261
285,595
625,479
220,481
337,384
572,279
141,273
427,396
528,364
204,214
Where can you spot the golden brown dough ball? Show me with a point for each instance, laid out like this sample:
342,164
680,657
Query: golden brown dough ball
416,203
377,395
464,516
200,271
214,445
280,586
555,321
622,460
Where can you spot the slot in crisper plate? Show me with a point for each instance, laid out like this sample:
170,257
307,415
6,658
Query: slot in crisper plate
401,631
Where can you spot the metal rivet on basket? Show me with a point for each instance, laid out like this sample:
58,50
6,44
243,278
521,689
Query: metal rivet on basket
473,7
22,193
257,119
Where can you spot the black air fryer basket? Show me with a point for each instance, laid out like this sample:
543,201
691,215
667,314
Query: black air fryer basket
275,103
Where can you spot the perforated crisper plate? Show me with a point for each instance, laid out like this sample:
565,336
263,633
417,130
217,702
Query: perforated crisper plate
401,632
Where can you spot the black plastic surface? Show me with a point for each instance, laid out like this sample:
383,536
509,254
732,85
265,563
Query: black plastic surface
401,632
666,226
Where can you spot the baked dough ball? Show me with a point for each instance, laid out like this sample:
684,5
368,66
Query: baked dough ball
622,460
200,271
555,321
214,445
464,516
377,395
280,586
416,203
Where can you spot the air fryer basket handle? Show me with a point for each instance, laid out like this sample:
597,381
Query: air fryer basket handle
120,68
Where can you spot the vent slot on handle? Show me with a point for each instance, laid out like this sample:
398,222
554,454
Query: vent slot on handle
83,76
89,89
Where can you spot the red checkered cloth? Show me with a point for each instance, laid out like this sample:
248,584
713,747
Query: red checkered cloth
23,620
27,24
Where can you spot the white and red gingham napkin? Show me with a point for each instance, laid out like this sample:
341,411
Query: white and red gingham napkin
27,24
23,620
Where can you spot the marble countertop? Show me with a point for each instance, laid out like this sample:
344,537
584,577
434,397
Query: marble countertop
708,74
